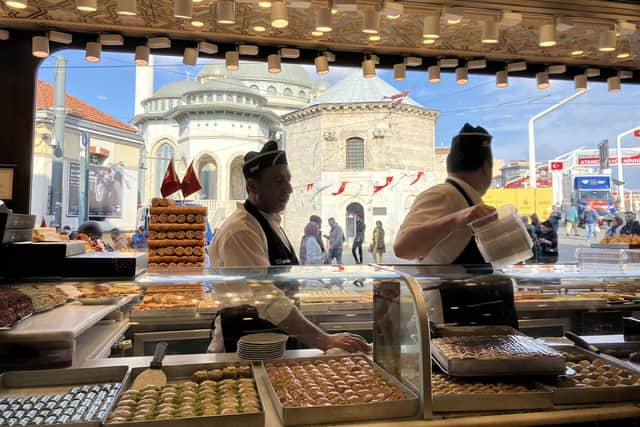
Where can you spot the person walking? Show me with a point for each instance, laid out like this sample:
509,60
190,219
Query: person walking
377,246
572,221
357,241
590,221
318,220
336,242
310,251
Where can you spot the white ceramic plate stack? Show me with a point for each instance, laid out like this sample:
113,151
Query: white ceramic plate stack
262,346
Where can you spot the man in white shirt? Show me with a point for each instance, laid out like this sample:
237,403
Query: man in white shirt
253,237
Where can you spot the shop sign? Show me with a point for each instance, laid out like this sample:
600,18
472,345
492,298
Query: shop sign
595,161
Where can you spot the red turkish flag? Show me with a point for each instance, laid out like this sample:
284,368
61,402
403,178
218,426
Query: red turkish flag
43,223
343,185
190,183
377,188
636,133
419,175
170,182
557,166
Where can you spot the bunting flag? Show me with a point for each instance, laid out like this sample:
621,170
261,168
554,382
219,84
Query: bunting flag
377,188
419,175
43,223
310,186
343,185
398,95
170,182
190,183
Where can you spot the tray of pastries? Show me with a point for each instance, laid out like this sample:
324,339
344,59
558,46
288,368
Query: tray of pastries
334,389
214,394
495,355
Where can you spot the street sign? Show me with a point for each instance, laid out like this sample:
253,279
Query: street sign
556,166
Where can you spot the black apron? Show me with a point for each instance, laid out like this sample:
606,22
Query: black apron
243,320
470,254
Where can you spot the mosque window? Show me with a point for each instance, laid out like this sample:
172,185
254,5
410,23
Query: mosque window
229,98
219,97
255,88
288,91
355,153
236,180
271,90
302,94
164,153
209,98
209,179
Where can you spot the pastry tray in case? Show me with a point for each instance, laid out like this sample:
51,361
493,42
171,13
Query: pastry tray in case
39,387
180,373
295,416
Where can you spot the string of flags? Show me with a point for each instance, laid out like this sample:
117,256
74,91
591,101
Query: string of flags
377,186
171,182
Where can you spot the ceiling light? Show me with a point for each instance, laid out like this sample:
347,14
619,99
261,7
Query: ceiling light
232,60
87,5
273,62
516,66
290,53
428,41
462,75
451,17
431,26
159,42
374,38
607,41
323,20
476,64
434,74
126,7
248,49
142,55
58,37
279,18
208,48
111,40
557,69
592,72
577,52
317,33
490,32
580,81
413,61
399,71
624,50
502,79
197,24
226,12
542,79
183,9
259,28
264,3
448,63
16,4
510,19
625,28
4,35
92,53
613,84
40,46
392,10
371,22
190,56
625,74
345,5
322,64
368,68
547,35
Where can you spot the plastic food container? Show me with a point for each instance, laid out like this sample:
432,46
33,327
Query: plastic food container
502,237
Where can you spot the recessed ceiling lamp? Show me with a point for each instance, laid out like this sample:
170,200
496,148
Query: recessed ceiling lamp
624,50
431,26
462,75
580,81
4,35
264,3
323,20
613,84
399,71
93,50
434,74
502,79
368,68
322,64
371,22
542,80
142,55
392,10
126,7
279,17
317,33
547,35
577,52
16,4
374,38
232,60
226,12
87,5
183,9
190,56
197,24
452,17
273,62
159,42
40,46
208,48
428,41
607,41
490,31
259,28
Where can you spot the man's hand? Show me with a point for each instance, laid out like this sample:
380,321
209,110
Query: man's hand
349,342
464,217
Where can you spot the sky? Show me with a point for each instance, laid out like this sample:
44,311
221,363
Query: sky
584,122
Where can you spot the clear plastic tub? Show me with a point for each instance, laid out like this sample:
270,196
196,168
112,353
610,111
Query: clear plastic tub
502,237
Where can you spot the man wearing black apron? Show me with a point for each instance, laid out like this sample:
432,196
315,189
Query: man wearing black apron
436,231
253,237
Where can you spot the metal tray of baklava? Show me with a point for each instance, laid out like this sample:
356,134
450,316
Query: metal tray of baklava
295,416
181,373
567,394
81,397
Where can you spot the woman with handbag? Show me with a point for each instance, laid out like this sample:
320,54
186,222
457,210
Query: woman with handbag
377,248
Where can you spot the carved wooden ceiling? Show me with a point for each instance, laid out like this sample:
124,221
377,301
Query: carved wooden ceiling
581,21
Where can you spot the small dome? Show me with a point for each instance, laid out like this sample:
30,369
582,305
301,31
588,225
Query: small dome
257,71
222,85
175,89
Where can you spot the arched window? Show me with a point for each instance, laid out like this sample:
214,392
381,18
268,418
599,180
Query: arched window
209,179
163,155
288,92
302,94
255,88
271,90
236,180
355,153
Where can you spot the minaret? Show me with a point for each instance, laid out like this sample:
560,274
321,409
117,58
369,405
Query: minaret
144,85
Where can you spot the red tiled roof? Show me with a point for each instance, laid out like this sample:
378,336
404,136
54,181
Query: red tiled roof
77,108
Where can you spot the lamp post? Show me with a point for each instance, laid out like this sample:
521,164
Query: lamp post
620,177
532,140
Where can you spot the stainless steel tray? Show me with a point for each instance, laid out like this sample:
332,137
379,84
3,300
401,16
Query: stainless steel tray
572,395
176,373
295,416
56,381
